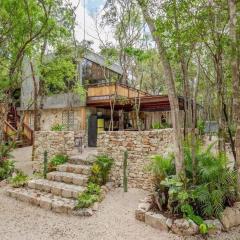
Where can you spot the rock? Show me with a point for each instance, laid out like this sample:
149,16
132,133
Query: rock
230,217
145,206
110,185
140,214
3,183
214,226
147,199
156,220
84,212
236,205
184,227
169,222
95,206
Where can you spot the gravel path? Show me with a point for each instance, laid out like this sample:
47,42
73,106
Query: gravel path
113,221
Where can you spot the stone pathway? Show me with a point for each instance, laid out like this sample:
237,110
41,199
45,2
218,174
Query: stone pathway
23,159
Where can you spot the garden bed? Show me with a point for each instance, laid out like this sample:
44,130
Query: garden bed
145,212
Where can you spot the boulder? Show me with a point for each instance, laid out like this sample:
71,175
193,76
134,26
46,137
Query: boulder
3,183
140,214
184,227
145,206
156,220
169,222
95,206
110,185
230,217
84,212
214,226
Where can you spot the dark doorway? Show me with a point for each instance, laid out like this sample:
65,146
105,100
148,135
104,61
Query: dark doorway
92,131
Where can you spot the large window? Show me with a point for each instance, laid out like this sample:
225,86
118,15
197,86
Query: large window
68,120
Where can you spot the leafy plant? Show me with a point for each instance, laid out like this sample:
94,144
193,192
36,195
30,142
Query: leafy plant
57,160
90,196
58,127
200,127
101,169
213,189
86,200
5,150
161,167
159,125
19,180
6,169
93,188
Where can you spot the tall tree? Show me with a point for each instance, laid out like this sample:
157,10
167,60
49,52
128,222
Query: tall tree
170,82
232,4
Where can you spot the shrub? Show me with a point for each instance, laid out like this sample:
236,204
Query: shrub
90,196
161,167
19,180
58,127
6,169
200,127
204,197
101,169
159,125
57,160
5,150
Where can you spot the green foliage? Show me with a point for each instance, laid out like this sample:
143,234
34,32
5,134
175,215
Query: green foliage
159,125
58,74
213,189
90,196
93,189
101,169
19,180
58,127
203,228
6,169
57,160
5,150
161,167
200,127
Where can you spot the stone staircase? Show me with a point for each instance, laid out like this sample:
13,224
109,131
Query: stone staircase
59,191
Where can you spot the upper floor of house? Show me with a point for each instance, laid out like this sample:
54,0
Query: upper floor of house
100,80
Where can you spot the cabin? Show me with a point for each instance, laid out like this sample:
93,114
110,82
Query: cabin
108,104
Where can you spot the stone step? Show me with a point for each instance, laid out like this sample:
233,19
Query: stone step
56,188
74,168
44,200
68,177
80,160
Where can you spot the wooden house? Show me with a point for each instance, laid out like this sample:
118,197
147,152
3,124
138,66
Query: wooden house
109,104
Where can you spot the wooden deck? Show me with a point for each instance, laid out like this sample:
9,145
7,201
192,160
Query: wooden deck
103,92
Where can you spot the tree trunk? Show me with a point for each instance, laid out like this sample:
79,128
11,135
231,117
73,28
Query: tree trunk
172,95
184,69
35,105
235,82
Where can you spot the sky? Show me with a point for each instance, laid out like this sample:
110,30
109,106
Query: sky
92,9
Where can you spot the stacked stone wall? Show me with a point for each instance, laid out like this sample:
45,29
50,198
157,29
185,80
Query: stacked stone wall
141,145
53,142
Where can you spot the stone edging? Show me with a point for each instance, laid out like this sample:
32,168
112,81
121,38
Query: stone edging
184,227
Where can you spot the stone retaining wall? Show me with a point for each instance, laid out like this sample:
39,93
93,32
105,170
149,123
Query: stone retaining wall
53,142
140,145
